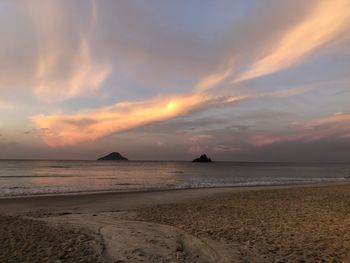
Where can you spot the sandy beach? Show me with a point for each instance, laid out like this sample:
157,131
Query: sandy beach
300,223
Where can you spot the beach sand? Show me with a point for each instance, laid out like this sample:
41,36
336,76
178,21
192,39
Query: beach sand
294,225
247,224
25,240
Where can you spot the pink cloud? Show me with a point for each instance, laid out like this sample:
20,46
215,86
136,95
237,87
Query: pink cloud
335,126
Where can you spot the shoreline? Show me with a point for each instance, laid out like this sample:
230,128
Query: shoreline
103,201
151,190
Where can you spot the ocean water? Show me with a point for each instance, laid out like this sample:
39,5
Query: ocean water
20,178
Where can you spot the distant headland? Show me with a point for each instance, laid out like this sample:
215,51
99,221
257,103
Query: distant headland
114,156
203,159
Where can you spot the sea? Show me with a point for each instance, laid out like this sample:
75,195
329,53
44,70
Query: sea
34,177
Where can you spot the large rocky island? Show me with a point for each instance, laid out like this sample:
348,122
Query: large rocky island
114,156
202,159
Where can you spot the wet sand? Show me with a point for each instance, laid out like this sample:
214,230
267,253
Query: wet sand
251,224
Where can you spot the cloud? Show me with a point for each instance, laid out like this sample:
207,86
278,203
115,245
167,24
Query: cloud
71,129
335,126
48,49
326,20
65,67
214,79
84,77
63,130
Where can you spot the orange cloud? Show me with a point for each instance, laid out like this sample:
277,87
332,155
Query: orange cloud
326,20
59,130
62,130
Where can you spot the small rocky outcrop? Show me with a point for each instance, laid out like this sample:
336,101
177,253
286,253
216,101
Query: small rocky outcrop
114,156
203,159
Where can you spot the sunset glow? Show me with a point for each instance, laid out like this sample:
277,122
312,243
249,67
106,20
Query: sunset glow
234,78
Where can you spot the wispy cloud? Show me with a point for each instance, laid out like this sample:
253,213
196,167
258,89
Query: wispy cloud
71,129
335,126
326,20
84,77
60,130
214,79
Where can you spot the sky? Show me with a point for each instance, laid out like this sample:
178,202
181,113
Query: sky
249,80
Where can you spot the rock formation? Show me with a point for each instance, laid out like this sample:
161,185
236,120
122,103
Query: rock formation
114,156
202,159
